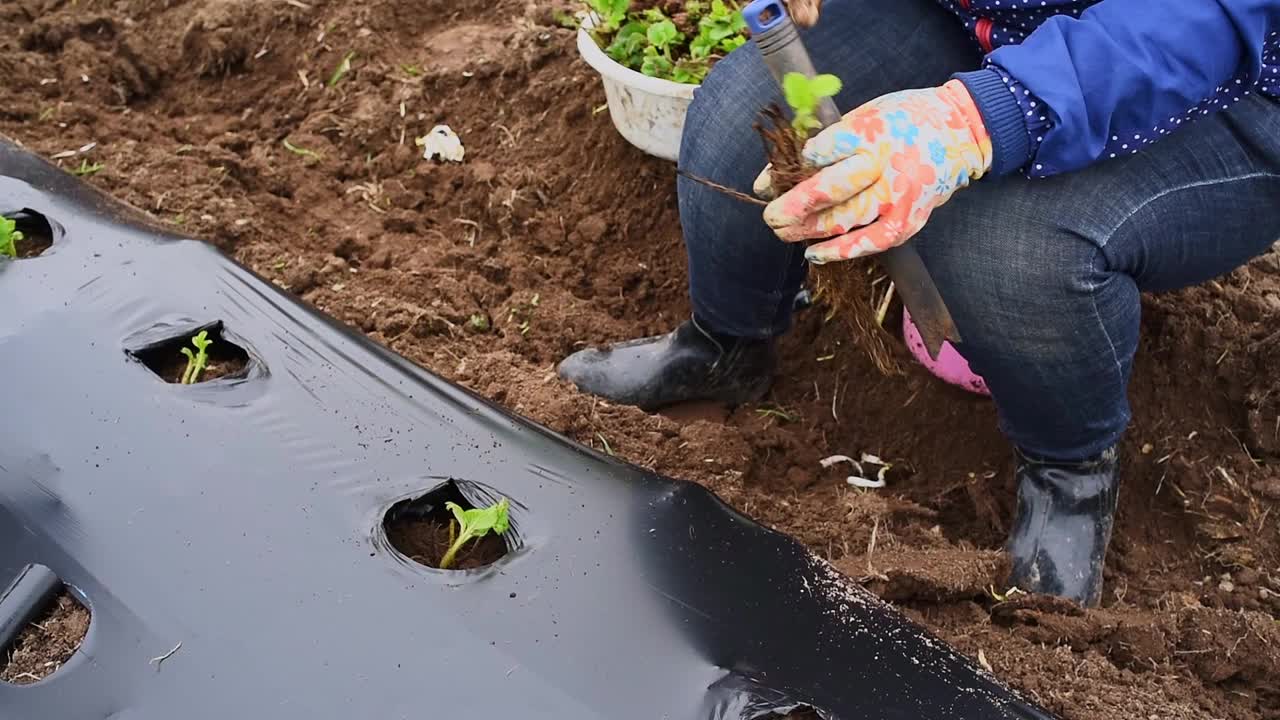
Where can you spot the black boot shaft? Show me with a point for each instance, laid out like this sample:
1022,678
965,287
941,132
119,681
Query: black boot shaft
1063,526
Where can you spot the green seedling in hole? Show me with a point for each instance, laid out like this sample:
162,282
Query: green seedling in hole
411,70
301,151
9,237
341,71
196,361
479,322
87,168
803,94
472,525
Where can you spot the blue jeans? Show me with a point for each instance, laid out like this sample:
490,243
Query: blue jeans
1042,276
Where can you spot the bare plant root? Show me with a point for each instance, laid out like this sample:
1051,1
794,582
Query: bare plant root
852,289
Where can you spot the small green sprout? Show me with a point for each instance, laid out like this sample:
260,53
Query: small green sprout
87,168
301,151
564,19
479,322
9,237
522,313
605,442
411,70
777,412
196,361
473,524
803,94
341,71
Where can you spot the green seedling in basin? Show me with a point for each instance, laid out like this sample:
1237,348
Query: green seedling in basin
196,361
472,525
9,237
803,95
679,48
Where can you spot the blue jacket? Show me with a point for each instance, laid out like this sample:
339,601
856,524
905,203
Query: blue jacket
1067,83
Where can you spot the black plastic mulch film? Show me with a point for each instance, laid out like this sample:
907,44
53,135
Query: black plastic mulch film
243,519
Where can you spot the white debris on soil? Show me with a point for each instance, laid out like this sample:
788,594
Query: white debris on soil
860,480
441,142
72,153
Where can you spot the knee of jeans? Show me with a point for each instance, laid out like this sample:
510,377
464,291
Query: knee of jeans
719,140
1016,288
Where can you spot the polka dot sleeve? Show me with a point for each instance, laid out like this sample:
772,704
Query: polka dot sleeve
1035,115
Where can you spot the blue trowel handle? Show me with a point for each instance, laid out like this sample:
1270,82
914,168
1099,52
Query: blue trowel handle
779,42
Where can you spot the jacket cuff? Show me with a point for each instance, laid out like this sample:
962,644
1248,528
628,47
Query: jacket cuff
1010,138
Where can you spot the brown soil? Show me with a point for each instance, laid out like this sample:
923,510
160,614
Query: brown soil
226,359
190,100
426,541
47,643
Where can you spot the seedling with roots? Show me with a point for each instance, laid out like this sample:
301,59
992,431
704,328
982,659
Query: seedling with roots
9,237
196,361
472,525
803,95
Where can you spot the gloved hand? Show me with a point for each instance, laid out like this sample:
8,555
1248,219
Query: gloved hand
804,12
885,167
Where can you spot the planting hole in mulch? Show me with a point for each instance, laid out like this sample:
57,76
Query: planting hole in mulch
47,643
420,529
37,234
225,358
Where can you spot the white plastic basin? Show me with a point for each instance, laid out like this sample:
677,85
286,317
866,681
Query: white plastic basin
648,111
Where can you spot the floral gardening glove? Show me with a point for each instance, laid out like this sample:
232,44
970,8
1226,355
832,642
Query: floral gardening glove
885,167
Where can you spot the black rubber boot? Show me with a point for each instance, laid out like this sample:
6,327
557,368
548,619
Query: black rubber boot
1063,526
687,364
